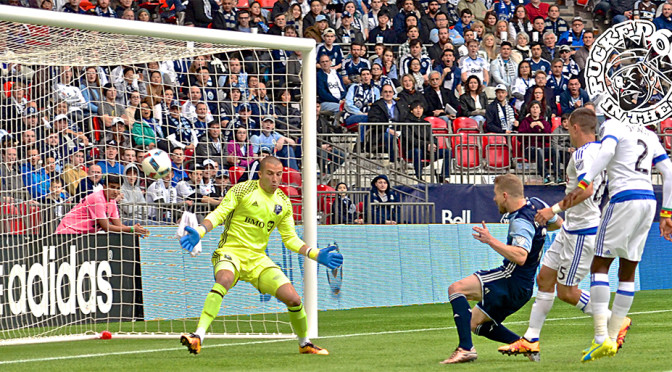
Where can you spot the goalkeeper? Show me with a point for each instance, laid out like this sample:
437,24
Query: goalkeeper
249,212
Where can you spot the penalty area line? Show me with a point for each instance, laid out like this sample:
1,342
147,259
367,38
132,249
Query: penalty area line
97,355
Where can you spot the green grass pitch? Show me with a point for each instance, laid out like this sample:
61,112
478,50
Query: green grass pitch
410,338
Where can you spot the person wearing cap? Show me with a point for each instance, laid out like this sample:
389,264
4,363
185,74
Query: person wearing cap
499,115
383,33
316,30
535,8
283,146
329,48
574,37
569,66
223,184
502,69
330,89
117,133
111,164
346,33
194,193
554,23
31,118
264,152
359,99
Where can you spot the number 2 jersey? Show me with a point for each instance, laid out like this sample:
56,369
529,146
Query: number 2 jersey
585,217
637,151
250,214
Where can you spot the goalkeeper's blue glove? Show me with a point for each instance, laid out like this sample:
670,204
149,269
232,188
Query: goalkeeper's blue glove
192,238
330,259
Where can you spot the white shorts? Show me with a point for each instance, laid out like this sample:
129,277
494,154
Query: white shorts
571,256
624,228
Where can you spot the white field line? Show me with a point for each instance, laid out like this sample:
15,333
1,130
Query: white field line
83,356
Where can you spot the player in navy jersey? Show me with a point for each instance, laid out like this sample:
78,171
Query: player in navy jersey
505,289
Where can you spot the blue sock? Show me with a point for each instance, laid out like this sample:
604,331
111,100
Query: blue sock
496,333
462,318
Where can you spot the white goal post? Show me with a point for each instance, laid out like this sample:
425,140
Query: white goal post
226,40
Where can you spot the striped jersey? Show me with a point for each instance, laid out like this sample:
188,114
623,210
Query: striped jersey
250,214
585,216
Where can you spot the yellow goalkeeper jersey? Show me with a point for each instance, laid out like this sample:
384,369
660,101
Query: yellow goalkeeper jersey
250,214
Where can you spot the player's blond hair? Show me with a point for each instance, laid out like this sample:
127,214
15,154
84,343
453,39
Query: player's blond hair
510,184
585,118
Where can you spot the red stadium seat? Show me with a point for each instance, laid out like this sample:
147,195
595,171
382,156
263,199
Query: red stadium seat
465,124
325,199
440,130
496,152
467,151
666,131
235,173
86,5
292,177
555,123
295,198
243,4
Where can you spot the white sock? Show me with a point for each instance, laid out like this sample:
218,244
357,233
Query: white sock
200,332
303,341
620,308
540,309
599,296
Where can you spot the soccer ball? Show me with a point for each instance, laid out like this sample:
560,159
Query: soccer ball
156,164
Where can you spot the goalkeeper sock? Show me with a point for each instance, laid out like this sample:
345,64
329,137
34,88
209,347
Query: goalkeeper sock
496,332
213,301
297,316
462,318
619,309
540,309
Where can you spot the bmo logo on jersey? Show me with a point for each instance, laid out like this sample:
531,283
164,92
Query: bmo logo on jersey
447,216
627,70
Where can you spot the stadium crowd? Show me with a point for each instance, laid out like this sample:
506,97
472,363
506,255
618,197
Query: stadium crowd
510,66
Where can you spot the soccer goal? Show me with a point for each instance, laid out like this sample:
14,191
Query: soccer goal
78,94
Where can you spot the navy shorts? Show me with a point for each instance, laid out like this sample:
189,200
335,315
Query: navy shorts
503,295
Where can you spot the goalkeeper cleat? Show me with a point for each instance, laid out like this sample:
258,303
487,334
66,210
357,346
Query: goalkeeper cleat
309,348
461,355
192,342
620,340
597,351
522,347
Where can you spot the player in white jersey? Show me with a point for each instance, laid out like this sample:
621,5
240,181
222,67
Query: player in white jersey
568,259
628,152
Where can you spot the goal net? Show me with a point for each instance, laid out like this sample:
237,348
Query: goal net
82,100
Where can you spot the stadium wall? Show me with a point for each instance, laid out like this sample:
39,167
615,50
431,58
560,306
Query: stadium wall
384,266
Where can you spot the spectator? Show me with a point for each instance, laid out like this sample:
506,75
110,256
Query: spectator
259,17
581,54
53,147
240,151
315,31
279,7
521,51
488,48
537,33
128,157
466,21
370,19
538,93
74,172
535,8
54,202
222,185
359,99
569,67
423,66
574,97
147,133
91,183
479,30
380,195
283,146
111,164
505,10
408,95
549,50
474,65
164,193
556,79
536,62
130,82
211,146
451,75
224,17
343,210
11,177
91,91
124,5
521,20
504,32
405,49
311,18
253,173
499,115
561,150
388,65
554,23
407,9
295,18
64,90
245,120
195,193
109,108
477,8
98,212
143,15
181,132
73,6
177,164
419,143
103,9
490,22
437,49
474,101
353,66
131,212
621,10
34,174
503,69
287,117
383,33
347,34
664,21
198,13
534,145
441,102
333,51
329,86
441,20
573,37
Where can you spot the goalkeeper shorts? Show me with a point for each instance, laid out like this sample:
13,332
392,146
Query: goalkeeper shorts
256,269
